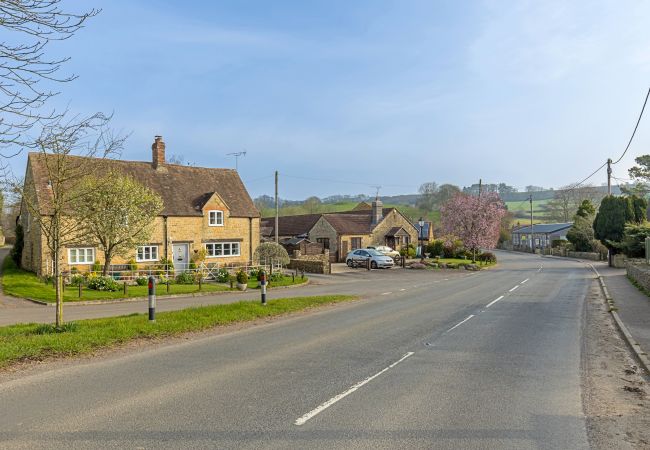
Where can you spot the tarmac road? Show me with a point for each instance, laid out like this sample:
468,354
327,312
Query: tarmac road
487,360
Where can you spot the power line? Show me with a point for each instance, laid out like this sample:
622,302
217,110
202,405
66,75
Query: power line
326,180
636,126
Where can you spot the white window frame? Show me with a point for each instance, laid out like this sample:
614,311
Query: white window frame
144,253
76,260
212,248
216,213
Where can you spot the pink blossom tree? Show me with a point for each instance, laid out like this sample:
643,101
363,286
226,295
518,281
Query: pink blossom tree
475,220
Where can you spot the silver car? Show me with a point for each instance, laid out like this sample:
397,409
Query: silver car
361,256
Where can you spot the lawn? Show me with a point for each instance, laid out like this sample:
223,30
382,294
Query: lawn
35,342
21,283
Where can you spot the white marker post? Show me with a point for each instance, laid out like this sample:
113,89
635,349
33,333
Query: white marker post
263,286
152,299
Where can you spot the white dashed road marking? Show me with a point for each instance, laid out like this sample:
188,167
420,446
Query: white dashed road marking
341,396
460,323
493,302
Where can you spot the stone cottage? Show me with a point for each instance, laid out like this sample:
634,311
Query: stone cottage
204,208
342,232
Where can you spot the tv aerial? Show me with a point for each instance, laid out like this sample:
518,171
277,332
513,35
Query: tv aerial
237,155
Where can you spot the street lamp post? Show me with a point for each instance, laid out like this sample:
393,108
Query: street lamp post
421,237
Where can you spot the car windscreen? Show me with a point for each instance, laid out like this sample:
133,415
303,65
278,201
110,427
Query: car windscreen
374,252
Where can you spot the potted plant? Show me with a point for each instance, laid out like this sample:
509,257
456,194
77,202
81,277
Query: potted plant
242,280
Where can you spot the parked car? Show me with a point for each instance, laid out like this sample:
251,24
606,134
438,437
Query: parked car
386,250
361,256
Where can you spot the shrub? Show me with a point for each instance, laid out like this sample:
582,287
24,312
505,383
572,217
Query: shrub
436,248
142,281
192,265
254,272
271,251
185,278
164,280
77,280
222,275
74,270
487,257
276,276
633,243
242,277
17,250
133,265
96,267
409,253
555,243
99,283
166,264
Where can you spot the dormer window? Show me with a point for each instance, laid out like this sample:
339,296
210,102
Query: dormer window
215,218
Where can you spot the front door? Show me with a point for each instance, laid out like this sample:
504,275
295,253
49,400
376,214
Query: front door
180,256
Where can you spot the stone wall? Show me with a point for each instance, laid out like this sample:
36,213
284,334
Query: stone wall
311,263
640,273
584,255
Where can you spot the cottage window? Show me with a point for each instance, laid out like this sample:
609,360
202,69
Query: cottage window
147,253
325,242
356,242
215,218
81,255
222,249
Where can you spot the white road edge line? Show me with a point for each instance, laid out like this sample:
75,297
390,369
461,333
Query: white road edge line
331,401
402,289
493,302
513,288
524,281
387,293
460,323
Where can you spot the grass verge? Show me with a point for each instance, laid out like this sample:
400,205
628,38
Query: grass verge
21,283
25,342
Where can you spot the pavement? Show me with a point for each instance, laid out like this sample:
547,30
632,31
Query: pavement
633,306
482,360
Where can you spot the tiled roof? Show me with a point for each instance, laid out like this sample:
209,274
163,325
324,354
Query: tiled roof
544,228
184,189
290,225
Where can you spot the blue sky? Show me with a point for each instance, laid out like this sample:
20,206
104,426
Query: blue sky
394,93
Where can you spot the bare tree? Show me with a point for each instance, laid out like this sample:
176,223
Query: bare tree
25,70
60,145
567,200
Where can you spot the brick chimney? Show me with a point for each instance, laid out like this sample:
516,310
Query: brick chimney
377,211
158,152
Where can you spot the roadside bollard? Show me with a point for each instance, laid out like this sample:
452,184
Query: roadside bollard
80,290
200,280
263,286
168,286
152,299
368,263
126,292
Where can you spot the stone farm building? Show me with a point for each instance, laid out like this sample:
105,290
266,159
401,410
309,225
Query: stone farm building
204,208
543,233
344,231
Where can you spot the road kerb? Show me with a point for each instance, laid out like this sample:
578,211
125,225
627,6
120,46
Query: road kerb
641,356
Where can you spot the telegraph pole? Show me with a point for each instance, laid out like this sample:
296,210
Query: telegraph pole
277,209
480,187
609,177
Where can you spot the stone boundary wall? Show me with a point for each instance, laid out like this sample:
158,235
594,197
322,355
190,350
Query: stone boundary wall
311,263
640,274
584,255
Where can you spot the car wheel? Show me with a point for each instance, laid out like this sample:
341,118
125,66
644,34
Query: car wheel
349,263
373,265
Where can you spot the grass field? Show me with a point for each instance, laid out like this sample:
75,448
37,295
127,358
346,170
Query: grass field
522,210
409,211
25,342
21,283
